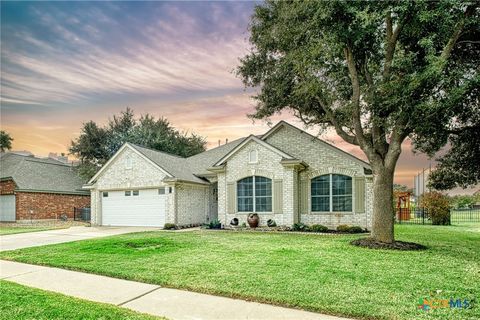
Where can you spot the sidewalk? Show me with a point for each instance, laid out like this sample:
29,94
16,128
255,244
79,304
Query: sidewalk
146,298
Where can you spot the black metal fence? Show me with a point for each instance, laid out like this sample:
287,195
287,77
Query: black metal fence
81,214
422,216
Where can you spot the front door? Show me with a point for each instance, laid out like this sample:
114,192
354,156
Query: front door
213,212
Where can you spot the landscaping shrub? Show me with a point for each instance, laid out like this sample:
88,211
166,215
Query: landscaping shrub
343,228
214,224
299,226
169,226
349,229
271,223
355,229
438,207
318,228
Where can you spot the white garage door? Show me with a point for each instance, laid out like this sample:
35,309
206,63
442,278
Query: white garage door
7,208
133,208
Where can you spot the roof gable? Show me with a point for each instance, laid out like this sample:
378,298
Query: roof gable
117,154
333,148
257,140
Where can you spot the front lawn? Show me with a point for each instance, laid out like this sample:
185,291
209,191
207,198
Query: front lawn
20,302
14,230
314,272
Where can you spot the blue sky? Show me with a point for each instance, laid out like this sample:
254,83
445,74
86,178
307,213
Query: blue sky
65,63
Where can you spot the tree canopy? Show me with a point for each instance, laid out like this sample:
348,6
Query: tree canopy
376,72
5,141
97,144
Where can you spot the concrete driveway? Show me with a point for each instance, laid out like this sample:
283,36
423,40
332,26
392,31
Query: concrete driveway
41,238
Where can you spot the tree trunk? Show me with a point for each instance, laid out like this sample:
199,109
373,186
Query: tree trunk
383,215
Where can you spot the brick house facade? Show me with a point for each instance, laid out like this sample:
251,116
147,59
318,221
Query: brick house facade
34,189
288,161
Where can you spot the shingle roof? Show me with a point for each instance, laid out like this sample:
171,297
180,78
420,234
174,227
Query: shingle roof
35,174
190,168
195,167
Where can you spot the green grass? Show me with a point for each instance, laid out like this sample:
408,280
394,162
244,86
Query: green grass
318,273
20,302
14,230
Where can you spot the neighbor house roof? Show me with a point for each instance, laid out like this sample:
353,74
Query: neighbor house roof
40,175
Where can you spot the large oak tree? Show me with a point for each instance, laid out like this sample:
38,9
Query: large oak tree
377,72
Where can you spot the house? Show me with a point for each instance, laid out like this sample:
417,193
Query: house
33,188
286,175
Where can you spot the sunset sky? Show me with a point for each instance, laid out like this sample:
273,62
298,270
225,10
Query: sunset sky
63,64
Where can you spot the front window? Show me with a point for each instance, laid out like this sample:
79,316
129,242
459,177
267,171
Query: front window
331,192
254,194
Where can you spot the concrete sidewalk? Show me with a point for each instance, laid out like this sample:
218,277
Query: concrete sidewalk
41,238
146,298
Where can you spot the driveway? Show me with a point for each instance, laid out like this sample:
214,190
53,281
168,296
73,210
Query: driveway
34,239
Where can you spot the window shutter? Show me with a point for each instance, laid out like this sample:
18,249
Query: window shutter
304,196
231,197
359,194
278,196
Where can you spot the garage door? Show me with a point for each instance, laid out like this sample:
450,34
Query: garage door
133,208
7,208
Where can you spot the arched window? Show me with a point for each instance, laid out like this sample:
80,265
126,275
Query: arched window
254,194
331,192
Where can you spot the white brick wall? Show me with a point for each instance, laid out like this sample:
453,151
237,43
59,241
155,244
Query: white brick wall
320,158
238,167
192,204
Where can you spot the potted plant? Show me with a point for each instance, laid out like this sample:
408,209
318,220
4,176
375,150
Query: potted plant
253,220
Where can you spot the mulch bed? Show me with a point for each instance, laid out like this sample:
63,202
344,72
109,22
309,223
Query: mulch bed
283,230
397,245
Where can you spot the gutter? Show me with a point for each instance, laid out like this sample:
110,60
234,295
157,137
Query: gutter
81,193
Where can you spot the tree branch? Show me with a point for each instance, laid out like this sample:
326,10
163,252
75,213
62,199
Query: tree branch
357,124
391,42
447,50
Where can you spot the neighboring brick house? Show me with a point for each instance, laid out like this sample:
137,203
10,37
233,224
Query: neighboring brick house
33,188
286,174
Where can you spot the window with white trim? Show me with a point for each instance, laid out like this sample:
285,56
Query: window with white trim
135,192
331,193
161,190
254,194
105,194
128,193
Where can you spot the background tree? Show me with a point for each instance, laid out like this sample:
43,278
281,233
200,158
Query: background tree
376,72
96,144
5,141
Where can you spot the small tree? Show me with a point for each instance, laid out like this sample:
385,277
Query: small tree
5,141
437,206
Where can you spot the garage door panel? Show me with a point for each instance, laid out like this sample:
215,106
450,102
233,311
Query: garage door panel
146,209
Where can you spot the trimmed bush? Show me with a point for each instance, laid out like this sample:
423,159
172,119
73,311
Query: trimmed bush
355,229
271,223
170,226
343,228
318,228
299,226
